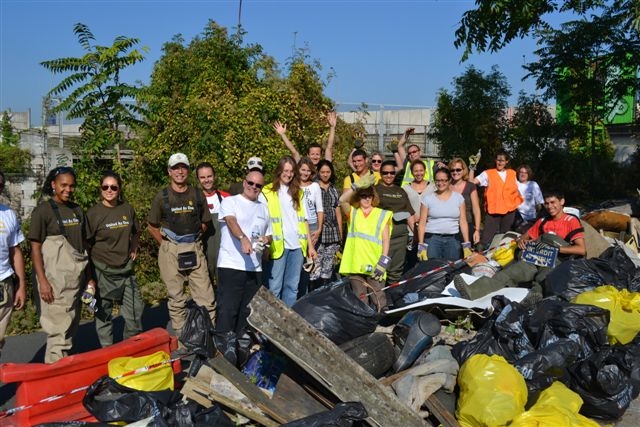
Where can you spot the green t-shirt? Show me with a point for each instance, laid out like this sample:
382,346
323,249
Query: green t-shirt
187,216
395,199
110,231
45,223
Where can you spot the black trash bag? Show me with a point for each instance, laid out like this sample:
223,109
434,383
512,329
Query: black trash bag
342,415
430,286
554,319
608,381
197,332
337,313
502,334
109,401
571,278
192,414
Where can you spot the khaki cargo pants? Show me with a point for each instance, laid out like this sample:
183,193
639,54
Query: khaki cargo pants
198,279
64,268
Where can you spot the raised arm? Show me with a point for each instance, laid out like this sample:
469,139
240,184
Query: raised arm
402,141
281,129
332,118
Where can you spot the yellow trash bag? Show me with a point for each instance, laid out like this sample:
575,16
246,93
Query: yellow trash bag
624,307
505,255
155,377
492,392
556,406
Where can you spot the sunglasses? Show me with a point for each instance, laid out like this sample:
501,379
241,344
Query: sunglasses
376,161
179,166
254,184
387,173
367,197
107,187
457,170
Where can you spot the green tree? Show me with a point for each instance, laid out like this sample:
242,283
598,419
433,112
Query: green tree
92,90
12,158
531,131
473,116
495,23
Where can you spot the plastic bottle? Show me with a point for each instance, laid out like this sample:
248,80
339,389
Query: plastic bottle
255,236
366,268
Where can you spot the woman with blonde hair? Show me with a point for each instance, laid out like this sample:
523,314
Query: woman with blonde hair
291,243
460,184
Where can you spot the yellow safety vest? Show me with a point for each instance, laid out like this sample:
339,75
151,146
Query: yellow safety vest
273,203
428,172
364,240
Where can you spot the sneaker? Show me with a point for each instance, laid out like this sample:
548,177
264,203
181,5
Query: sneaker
461,287
531,299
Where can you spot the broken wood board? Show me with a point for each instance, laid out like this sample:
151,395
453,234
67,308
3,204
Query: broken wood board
324,361
200,389
249,389
292,397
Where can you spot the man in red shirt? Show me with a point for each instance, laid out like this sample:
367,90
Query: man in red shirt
558,229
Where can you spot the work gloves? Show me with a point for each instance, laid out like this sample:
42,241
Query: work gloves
422,251
466,250
381,267
474,159
364,182
88,295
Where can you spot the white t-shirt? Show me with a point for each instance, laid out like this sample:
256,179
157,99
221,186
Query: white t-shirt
213,202
530,192
444,215
10,236
312,199
483,178
289,218
253,218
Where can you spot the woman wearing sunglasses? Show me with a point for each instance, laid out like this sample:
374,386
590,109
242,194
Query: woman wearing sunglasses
416,189
291,243
376,161
460,184
59,258
112,232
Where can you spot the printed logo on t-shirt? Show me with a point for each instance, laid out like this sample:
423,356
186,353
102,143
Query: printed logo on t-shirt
71,222
118,224
183,209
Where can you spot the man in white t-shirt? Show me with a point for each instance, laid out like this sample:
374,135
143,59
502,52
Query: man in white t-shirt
211,239
245,233
11,264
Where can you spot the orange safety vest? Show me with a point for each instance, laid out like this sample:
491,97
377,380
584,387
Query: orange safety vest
502,197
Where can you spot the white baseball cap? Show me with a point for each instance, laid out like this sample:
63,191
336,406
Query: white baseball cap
178,158
255,163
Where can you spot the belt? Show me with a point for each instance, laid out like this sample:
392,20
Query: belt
440,235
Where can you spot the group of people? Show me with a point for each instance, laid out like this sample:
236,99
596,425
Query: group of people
285,234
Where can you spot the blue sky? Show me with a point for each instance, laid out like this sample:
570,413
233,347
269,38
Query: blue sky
396,53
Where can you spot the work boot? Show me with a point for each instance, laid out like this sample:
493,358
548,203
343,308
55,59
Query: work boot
461,286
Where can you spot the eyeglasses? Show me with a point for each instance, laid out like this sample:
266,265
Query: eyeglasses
107,187
366,197
179,166
457,170
376,161
387,173
414,151
254,184
442,180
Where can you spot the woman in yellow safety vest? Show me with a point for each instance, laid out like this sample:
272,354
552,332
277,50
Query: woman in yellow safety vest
290,243
365,257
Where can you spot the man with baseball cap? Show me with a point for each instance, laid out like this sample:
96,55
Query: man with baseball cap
177,220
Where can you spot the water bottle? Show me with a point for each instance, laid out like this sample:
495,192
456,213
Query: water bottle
366,268
255,239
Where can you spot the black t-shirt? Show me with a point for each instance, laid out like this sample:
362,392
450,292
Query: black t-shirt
188,211
44,222
110,231
395,199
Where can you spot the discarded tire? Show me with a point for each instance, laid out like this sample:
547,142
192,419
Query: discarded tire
374,352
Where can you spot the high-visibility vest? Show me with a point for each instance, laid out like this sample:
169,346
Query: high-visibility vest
273,203
364,240
428,172
502,197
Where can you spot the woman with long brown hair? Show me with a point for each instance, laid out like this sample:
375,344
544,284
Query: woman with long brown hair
291,243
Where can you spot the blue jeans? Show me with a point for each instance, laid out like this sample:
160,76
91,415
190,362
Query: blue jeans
443,246
284,276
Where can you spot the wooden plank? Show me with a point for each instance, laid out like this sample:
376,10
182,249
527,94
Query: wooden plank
437,409
294,399
246,387
200,392
323,360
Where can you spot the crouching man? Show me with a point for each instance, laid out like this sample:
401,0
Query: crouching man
558,229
